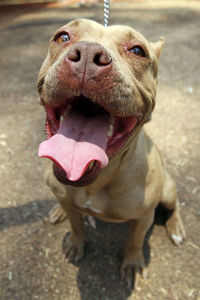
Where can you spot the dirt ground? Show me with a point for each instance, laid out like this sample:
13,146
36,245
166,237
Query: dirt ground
31,258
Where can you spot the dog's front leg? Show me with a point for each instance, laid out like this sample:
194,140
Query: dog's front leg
74,245
134,259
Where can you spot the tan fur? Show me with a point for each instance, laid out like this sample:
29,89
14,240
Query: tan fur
135,180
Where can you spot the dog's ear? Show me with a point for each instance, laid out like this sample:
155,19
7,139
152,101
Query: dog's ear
158,46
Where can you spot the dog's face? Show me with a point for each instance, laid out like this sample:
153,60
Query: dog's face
98,86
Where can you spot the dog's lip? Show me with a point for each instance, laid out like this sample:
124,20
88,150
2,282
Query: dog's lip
122,129
87,178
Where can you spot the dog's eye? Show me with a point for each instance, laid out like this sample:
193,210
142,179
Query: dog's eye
62,37
138,50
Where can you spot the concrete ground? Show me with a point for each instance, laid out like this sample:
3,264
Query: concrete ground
31,264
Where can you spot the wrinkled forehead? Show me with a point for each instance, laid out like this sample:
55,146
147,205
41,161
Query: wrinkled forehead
89,30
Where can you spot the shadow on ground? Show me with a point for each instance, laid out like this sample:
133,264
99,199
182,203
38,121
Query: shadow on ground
30,212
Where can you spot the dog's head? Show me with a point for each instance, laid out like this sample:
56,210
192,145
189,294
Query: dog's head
98,87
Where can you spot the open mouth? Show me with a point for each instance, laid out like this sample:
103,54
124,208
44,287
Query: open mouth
81,138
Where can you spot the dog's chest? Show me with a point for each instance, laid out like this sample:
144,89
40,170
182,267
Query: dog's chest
103,207
98,205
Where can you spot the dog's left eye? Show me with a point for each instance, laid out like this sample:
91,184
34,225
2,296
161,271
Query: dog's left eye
138,50
62,37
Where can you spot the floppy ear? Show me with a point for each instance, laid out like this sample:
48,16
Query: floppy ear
158,46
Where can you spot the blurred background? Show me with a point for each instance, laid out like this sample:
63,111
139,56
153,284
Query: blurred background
31,260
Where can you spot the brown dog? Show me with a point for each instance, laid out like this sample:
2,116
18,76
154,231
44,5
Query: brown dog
98,87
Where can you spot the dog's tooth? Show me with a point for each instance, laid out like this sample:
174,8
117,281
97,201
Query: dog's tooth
110,130
111,126
112,120
91,164
65,113
140,116
67,110
61,119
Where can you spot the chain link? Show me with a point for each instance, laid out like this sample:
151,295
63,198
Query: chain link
106,12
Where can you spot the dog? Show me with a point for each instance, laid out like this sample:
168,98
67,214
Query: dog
98,88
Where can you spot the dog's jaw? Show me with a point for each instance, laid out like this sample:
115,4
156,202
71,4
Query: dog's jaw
70,131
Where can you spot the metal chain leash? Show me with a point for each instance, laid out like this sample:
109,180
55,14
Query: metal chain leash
106,12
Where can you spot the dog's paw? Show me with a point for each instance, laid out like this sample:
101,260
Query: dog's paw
56,215
74,249
175,229
131,269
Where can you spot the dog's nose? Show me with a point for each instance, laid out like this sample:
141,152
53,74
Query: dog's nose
86,57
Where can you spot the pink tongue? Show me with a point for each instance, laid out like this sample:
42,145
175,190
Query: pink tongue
78,141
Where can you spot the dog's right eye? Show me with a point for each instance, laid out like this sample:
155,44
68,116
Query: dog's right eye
138,50
62,37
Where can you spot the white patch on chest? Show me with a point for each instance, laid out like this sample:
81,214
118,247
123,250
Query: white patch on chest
87,204
91,222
